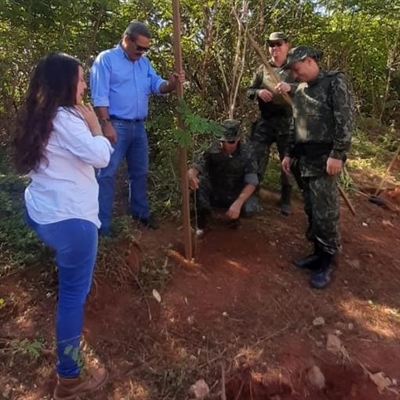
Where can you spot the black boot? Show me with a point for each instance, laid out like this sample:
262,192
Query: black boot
310,262
323,275
286,194
203,218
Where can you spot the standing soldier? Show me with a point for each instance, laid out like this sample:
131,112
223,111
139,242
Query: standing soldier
225,176
275,113
323,110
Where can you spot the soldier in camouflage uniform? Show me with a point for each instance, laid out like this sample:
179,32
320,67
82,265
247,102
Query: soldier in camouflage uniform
275,114
323,111
225,176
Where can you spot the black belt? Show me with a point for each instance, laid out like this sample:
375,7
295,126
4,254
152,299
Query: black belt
126,120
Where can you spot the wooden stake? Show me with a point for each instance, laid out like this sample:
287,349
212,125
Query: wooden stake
182,150
388,169
346,199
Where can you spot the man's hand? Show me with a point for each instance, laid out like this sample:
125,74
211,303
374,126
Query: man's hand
333,166
109,132
286,163
265,95
234,210
193,179
174,79
282,87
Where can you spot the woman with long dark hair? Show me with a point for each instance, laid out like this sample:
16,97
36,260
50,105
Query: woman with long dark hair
58,143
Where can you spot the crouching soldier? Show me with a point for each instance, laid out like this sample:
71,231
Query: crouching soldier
225,176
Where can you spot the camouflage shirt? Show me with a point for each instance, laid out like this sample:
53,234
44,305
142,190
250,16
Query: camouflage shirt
228,173
323,115
278,107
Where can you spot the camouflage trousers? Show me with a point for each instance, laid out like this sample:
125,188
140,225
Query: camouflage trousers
264,133
321,204
208,197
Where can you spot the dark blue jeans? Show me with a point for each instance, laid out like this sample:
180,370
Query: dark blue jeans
75,242
131,144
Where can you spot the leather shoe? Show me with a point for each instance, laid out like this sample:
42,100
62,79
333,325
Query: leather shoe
310,262
150,222
71,388
323,276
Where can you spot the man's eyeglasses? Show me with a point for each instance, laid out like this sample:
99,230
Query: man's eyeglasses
140,48
275,44
230,141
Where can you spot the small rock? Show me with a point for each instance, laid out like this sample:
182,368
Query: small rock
381,381
350,326
394,382
319,321
333,344
190,319
225,314
199,390
338,332
364,224
387,223
355,263
316,377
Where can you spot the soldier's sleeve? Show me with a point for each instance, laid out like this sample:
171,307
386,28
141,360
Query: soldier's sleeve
251,168
200,162
255,84
287,76
344,116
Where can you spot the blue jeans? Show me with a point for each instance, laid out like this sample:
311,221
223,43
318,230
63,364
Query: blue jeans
75,242
131,143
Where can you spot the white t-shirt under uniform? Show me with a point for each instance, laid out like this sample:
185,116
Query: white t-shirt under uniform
64,185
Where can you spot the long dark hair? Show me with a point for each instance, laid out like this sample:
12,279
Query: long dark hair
53,85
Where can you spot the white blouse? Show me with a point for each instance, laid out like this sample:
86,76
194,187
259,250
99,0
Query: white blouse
64,186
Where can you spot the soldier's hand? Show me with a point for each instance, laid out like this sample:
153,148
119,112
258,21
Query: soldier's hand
282,87
333,166
193,179
234,211
265,95
286,163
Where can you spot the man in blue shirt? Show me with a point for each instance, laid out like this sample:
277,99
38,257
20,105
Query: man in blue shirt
121,81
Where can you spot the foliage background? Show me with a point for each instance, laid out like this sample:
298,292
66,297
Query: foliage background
359,37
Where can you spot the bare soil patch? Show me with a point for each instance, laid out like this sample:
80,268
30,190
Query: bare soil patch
241,305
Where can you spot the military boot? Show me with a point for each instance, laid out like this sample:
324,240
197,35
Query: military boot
71,388
311,262
286,194
203,220
323,275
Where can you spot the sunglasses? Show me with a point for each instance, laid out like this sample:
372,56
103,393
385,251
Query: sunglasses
275,44
230,141
138,47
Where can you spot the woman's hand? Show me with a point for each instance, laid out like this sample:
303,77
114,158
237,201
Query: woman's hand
91,119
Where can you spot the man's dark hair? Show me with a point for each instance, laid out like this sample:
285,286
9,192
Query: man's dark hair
137,28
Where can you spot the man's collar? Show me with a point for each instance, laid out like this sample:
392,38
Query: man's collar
122,52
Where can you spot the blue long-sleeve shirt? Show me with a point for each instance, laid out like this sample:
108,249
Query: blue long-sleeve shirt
123,85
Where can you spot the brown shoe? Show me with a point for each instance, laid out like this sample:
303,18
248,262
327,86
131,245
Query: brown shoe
69,389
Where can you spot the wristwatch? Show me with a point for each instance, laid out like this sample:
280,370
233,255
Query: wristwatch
104,121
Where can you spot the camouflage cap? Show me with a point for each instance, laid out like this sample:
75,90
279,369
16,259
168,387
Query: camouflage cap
277,36
301,53
230,130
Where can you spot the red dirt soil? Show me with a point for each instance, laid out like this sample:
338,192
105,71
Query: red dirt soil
241,304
